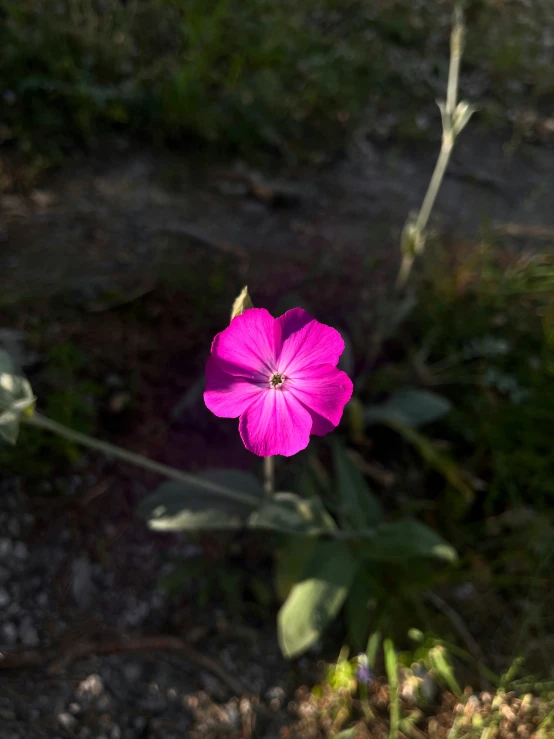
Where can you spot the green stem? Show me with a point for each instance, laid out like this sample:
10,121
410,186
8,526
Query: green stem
448,138
42,422
456,50
391,666
434,185
269,475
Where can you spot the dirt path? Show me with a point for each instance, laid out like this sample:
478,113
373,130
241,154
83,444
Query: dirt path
109,221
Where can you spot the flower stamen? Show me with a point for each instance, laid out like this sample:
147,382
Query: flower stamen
277,380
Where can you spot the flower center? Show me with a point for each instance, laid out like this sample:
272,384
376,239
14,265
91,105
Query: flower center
277,380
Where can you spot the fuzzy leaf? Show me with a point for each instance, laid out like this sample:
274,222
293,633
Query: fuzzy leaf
16,398
315,602
404,540
176,506
292,514
291,561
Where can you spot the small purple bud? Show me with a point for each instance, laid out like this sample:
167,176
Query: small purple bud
363,672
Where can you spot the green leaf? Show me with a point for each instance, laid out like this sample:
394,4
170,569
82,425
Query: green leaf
358,507
242,303
176,506
391,667
16,398
314,602
292,514
347,733
396,541
290,562
372,649
439,662
411,407
442,463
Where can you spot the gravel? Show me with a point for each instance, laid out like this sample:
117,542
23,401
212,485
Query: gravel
56,591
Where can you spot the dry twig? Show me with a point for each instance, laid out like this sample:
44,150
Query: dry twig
57,663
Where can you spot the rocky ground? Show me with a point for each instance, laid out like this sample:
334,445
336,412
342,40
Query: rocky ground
158,674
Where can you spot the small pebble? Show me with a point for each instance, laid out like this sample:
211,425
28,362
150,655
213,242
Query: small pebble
67,721
4,597
104,702
132,672
29,636
20,551
8,633
6,548
91,685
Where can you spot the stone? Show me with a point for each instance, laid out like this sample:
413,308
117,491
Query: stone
20,551
91,685
4,598
67,721
6,547
29,635
8,633
132,672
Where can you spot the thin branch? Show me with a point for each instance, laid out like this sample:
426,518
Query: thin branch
414,233
42,422
456,51
57,663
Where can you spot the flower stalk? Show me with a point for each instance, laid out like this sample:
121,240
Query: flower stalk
111,450
269,475
454,119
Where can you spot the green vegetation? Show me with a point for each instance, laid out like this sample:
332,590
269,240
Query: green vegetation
264,76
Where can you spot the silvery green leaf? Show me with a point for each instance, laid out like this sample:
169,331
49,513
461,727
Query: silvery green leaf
289,513
177,506
316,600
404,540
461,116
16,398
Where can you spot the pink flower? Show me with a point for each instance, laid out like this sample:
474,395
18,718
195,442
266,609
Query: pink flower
280,376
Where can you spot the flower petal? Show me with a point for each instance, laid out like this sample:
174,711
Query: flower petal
275,423
307,342
228,396
250,345
323,389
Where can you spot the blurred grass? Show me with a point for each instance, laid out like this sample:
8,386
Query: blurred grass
264,76
491,320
